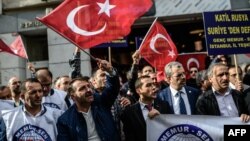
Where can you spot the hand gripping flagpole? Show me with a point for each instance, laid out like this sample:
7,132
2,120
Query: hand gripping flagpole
147,33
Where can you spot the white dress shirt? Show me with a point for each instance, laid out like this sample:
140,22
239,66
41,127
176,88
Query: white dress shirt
176,100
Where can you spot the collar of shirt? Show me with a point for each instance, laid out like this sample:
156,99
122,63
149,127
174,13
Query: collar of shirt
228,92
143,105
174,91
38,114
231,85
86,113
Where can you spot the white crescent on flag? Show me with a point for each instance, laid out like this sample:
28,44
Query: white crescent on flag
152,44
72,25
190,60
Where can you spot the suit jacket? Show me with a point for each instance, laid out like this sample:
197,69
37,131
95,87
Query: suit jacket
192,94
134,125
208,105
247,99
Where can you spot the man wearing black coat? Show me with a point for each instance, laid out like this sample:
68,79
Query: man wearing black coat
134,117
221,100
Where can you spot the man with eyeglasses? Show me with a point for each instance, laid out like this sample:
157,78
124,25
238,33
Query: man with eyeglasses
52,97
221,100
182,98
32,120
14,85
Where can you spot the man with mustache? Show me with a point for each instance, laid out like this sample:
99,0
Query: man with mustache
181,98
90,117
221,100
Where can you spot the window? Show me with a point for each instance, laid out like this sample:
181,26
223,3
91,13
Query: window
37,47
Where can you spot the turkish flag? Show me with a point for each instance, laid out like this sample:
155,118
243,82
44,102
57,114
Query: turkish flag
16,48
87,23
197,60
158,48
4,47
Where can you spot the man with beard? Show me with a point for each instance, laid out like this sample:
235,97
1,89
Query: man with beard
14,85
32,120
90,118
182,99
221,100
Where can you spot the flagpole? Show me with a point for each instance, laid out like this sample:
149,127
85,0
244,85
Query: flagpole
147,32
110,60
236,67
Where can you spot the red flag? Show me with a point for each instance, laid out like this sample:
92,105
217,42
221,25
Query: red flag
87,23
193,60
158,48
4,47
18,48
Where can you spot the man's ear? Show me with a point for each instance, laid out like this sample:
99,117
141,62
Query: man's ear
167,79
138,90
72,95
210,79
93,82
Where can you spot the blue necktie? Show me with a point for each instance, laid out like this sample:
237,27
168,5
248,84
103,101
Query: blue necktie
182,104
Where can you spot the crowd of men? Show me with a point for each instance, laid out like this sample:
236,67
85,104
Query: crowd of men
101,108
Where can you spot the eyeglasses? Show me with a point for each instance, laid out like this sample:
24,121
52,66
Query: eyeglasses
180,75
193,71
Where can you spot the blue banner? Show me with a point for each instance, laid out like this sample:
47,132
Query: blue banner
121,42
227,32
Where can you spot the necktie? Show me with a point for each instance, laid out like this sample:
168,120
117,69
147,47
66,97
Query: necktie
149,107
182,104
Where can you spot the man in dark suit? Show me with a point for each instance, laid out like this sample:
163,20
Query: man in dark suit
134,117
181,98
221,100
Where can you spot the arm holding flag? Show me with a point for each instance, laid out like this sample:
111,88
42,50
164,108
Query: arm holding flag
75,64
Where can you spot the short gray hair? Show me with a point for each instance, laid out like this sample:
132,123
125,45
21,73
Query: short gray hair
169,66
210,70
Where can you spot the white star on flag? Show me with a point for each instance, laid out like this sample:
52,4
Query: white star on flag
105,7
171,53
